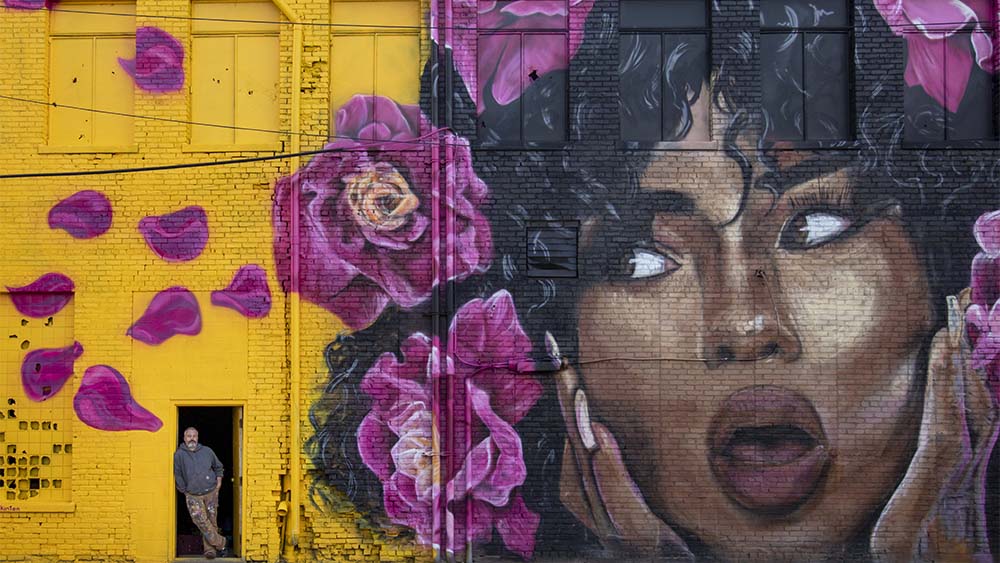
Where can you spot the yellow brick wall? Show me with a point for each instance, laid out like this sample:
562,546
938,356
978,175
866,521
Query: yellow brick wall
122,492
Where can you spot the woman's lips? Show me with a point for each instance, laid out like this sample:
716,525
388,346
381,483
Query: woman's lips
767,449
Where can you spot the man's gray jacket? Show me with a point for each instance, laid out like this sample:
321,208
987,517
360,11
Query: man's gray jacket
195,472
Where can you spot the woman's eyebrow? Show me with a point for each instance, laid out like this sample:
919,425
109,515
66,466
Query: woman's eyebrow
780,181
664,202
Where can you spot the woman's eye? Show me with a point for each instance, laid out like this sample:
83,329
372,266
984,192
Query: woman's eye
647,264
811,229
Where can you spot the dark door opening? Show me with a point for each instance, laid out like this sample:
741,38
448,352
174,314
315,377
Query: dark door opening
219,429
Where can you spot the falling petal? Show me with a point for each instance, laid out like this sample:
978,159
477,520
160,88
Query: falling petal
83,215
104,401
45,371
173,311
248,293
987,232
158,65
26,4
43,297
178,236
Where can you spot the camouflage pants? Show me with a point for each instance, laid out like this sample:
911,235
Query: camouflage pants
204,511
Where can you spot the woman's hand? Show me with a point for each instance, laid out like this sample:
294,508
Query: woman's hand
938,511
596,486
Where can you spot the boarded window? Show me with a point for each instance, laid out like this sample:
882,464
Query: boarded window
663,67
805,57
36,415
552,250
375,51
84,73
522,73
956,113
234,74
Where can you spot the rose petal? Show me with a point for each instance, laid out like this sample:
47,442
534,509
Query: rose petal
517,525
987,233
986,351
104,401
509,471
985,282
402,506
43,297
476,467
26,4
178,236
390,383
247,294
158,65
941,68
374,441
172,311
395,121
937,19
84,215
45,371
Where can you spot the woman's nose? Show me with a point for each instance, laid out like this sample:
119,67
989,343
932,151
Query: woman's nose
744,320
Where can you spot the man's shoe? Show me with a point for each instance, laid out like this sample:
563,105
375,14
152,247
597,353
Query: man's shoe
210,554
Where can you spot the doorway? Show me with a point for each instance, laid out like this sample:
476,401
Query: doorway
220,428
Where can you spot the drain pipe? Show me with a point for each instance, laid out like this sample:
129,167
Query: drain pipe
290,534
438,516
449,364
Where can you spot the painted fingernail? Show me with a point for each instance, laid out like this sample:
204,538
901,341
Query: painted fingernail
954,320
551,346
583,421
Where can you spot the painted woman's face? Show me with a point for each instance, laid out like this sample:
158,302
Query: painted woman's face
770,390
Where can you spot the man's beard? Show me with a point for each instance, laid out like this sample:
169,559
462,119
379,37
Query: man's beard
191,445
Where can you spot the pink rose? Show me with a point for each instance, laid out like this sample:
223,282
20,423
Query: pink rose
396,438
501,57
983,315
365,237
936,34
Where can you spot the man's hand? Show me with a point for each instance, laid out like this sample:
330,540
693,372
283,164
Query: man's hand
218,483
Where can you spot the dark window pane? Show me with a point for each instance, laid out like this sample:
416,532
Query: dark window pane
685,72
804,13
502,14
552,250
639,61
924,121
974,117
662,14
781,85
498,124
544,98
827,86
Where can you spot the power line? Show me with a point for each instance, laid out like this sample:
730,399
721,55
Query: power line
178,166
912,28
266,22
167,119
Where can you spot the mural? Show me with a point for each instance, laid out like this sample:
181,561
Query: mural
84,215
176,237
765,350
158,65
173,311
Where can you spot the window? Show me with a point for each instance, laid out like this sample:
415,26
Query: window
521,72
663,67
36,415
552,250
955,103
234,74
375,51
84,72
805,55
